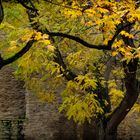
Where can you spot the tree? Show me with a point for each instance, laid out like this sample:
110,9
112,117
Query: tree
86,95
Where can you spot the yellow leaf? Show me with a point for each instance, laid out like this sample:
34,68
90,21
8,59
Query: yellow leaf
38,36
126,34
121,50
114,53
47,42
50,48
45,36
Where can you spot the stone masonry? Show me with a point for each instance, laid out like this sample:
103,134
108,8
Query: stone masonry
12,104
42,121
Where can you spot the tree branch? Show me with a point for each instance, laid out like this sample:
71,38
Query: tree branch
1,12
17,55
23,50
132,91
22,2
79,40
130,98
119,28
69,75
37,26
107,74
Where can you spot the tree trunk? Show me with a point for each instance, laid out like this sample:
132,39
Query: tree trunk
107,128
131,94
112,135
90,131
97,131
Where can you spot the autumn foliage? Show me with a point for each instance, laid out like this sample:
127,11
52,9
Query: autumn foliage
90,48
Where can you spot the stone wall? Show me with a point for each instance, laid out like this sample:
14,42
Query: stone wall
129,129
12,104
12,95
43,121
